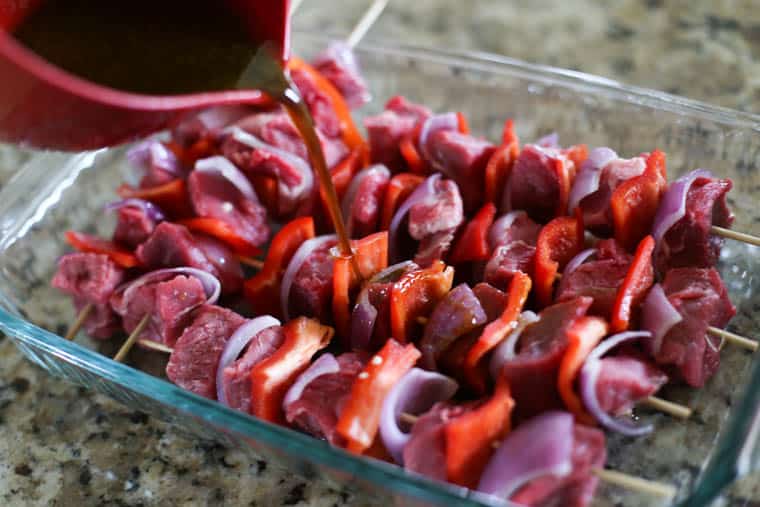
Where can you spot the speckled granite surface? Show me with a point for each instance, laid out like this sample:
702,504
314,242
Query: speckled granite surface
62,445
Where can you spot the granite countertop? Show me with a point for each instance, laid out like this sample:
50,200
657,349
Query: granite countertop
63,445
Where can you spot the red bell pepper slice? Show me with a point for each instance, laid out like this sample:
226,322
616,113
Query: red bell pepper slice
267,191
272,377
360,419
399,188
263,290
470,438
415,295
410,153
583,335
171,197
351,135
472,244
93,244
638,280
495,332
500,164
578,154
462,125
371,255
634,202
558,242
222,231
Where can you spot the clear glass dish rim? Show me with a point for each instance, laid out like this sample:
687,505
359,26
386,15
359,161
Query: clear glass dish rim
297,444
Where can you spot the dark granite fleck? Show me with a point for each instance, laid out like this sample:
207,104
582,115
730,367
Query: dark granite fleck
295,495
139,417
23,469
20,385
619,31
85,476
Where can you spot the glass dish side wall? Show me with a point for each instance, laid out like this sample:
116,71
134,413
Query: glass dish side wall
58,192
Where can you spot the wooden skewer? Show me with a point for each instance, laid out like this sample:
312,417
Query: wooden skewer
84,313
738,236
153,345
733,339
668,407
124,350
366,22
250,261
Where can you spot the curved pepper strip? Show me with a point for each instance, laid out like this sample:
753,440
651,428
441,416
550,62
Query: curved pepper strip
350,134
93,244
263,290
578,153
360,418
272,377
500,164
171,197
559,241
495,332
472,244
470,438
266,190
634,202
583,335
399,188
415,295
371,255
638,280
222,231
462,125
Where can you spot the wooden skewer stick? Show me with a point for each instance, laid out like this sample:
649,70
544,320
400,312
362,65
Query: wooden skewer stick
733,339
738,236
250,261
158,347
124,350
366,22
668,407
610,476
84,313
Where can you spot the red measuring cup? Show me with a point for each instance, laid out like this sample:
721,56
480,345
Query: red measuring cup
44,106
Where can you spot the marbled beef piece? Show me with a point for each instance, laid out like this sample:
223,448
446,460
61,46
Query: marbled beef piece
491,299
600,278
386,130
534,184
311,292
320,105
224,260
193,363
133,227
521,228
506,261
237,376
689,242
575,489
625,380
462,158
362,203
338,64
91,278
207,123
701,298
532,373
434,221
425,453
169,304
155,163
317,409
214,196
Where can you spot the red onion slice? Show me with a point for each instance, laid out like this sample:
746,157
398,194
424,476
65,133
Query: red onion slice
578,260
507,350
673,204
289,196
588,377
325,365
658,316
235,345
221,166
363,319
538,447
151,210
549,141
345,58
587,180
415,393
423,192
350,197
444,121
303,252
500,227
152,153
211,284
394,272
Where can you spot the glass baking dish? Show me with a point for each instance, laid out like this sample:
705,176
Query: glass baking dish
54,192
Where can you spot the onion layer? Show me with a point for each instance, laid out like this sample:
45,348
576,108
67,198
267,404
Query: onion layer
303,252
235,345
415,393
152,153
539,447
326,364
587,180
588,379
444,121
222,167
151,210
578,260
507,349
658,316
350,197
673,204
501,226
211,284
549,141
425,191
